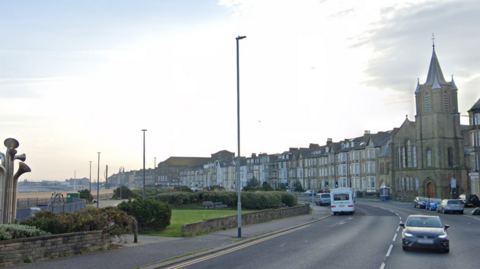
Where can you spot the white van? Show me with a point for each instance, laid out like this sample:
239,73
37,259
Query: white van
342,201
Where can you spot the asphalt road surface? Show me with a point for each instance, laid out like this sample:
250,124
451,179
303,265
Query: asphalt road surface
369,239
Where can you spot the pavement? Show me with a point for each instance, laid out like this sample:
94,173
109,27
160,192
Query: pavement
162,252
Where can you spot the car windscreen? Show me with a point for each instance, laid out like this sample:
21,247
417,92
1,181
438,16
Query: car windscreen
422,199
341,197
325,196
454,202
435,201
426,222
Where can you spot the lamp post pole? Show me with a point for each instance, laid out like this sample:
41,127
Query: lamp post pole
238,140
144,130
90,179
98,180
400,162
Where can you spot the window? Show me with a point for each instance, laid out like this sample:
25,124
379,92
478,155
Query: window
372,182
429,157
450,157
409,154
427,103
446,101
414,156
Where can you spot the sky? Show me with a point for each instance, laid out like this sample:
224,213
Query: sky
82,77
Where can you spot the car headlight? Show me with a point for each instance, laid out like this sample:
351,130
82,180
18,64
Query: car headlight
443,236
408,235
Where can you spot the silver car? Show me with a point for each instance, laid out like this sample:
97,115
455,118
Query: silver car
450,205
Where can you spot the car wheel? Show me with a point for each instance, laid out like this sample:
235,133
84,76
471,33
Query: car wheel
446,250
443,210
405,248
461,212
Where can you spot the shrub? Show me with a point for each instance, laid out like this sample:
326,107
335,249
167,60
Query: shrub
267,187
126,193
85,194
298,187
182,188
14,231
179,198
283,187
289,199
110,220
150,214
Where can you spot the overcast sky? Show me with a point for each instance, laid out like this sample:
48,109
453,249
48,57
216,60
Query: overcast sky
81,77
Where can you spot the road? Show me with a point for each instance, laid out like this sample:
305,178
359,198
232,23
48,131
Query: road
369,239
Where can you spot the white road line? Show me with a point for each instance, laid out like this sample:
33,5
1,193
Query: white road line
389,250
394,237
398,229
382,266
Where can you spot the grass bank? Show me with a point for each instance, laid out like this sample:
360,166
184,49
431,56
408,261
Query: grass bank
183,216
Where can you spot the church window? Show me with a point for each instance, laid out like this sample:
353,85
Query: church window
414,156
427,103
450,157
446,101
429,157
409,154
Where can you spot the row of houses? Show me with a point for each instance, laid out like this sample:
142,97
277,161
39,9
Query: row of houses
433,156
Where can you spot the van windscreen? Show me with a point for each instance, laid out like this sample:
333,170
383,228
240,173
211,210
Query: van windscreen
341,197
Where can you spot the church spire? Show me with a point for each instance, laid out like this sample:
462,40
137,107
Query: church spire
435,75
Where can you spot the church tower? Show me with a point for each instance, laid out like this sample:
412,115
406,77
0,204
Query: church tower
438,129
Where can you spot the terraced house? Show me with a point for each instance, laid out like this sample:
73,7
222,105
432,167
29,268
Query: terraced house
433,155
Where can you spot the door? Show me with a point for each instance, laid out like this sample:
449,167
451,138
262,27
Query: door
430,190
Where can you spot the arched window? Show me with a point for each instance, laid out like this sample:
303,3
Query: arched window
409,154
446,101
414,156
427,103
429,157
450,156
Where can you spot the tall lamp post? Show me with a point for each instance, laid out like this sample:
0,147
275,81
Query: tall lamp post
238,140
90,179
400,161
144,130
98,180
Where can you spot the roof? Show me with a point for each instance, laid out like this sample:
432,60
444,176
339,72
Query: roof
435,75
476,106
187,161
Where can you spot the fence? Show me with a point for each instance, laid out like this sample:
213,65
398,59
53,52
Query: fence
24,213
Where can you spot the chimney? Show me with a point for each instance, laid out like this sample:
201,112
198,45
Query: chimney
329,141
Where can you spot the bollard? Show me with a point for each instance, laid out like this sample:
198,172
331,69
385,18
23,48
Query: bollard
135,230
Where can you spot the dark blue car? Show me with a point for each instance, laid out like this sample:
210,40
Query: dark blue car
324,199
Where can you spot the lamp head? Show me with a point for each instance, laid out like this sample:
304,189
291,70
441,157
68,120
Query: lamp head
240,37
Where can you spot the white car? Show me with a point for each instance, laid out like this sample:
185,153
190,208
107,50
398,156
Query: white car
308,193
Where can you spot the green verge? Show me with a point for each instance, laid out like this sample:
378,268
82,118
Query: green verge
183,216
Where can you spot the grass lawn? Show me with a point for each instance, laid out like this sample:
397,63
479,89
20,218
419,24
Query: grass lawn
183,216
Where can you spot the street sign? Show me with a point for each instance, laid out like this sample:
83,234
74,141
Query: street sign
453,183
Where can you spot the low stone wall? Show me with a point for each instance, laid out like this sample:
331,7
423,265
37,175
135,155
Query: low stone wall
212,225
51,246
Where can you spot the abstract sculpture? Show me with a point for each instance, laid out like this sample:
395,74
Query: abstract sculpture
8,181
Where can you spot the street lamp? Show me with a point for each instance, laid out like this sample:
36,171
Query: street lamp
144,130
238,140
90,179
98,180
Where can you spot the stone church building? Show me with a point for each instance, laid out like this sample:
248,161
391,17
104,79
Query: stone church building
428,154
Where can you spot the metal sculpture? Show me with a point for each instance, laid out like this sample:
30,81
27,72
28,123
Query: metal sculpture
8,180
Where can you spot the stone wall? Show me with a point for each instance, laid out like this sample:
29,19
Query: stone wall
51,246
212,225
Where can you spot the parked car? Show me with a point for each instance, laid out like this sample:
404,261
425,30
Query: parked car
469,200
432,203
323,200
420,202
309,193
425,232
450,205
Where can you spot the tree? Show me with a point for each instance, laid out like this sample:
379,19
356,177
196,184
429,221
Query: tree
253,183
126,193
267,187
85,194
298,187
283,187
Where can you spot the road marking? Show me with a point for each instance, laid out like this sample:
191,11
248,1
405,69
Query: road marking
382,266
187,263
394,237
398,229
389,250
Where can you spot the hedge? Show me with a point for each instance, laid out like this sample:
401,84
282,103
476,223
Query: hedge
150,214
250,200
